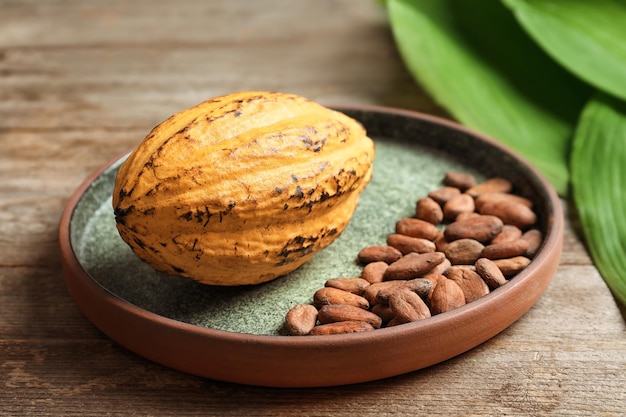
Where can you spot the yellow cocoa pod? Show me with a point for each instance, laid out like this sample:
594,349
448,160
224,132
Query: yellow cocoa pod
242,188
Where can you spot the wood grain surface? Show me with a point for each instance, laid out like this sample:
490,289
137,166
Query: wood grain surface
83,81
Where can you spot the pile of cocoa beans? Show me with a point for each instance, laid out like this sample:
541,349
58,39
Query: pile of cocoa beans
465,240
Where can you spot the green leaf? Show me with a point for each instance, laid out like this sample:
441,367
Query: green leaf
599,187
586,37
474,59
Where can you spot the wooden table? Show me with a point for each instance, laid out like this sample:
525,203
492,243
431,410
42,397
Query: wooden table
82,81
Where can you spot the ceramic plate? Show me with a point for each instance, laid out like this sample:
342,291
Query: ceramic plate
237,334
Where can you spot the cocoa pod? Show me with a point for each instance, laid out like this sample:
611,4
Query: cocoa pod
505,250
509,233
446,295
332,313
464,251
492,185
373,272
378,253
341,327
301,319
481,228
515,214
413,265
354,285
471,283
428,210
460,180
512,266
413,227
443,194
408,306
490,273
407,244
462,203
328,295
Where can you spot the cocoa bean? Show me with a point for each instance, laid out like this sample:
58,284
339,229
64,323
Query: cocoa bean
428,210
462,203
413,227
471,283
492,185
464,251
332,313
509,233
341,327
460,180
374,271
354,285
505,250
446,295
481,228
408,244
515,214
534,237
408,307
512,266
413,265
378,253
490,273
443,194
371,293
329,295
301,319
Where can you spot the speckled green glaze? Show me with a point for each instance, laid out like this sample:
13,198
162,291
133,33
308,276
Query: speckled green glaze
412,156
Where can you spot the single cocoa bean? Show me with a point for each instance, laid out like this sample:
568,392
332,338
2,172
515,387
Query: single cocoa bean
443,194
442,267
420,286
515,214
329,295
301,319
490,273
441,242
464,251
469,280
332,313
408,306
512,266
509,233
466,215
462,203
354,285
481,228
534,237
460,180
505,250
407,244
428,210
383,311
492,185
374,271
371,293
378,253
487,198
413,265
446,295
413,227
341,327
